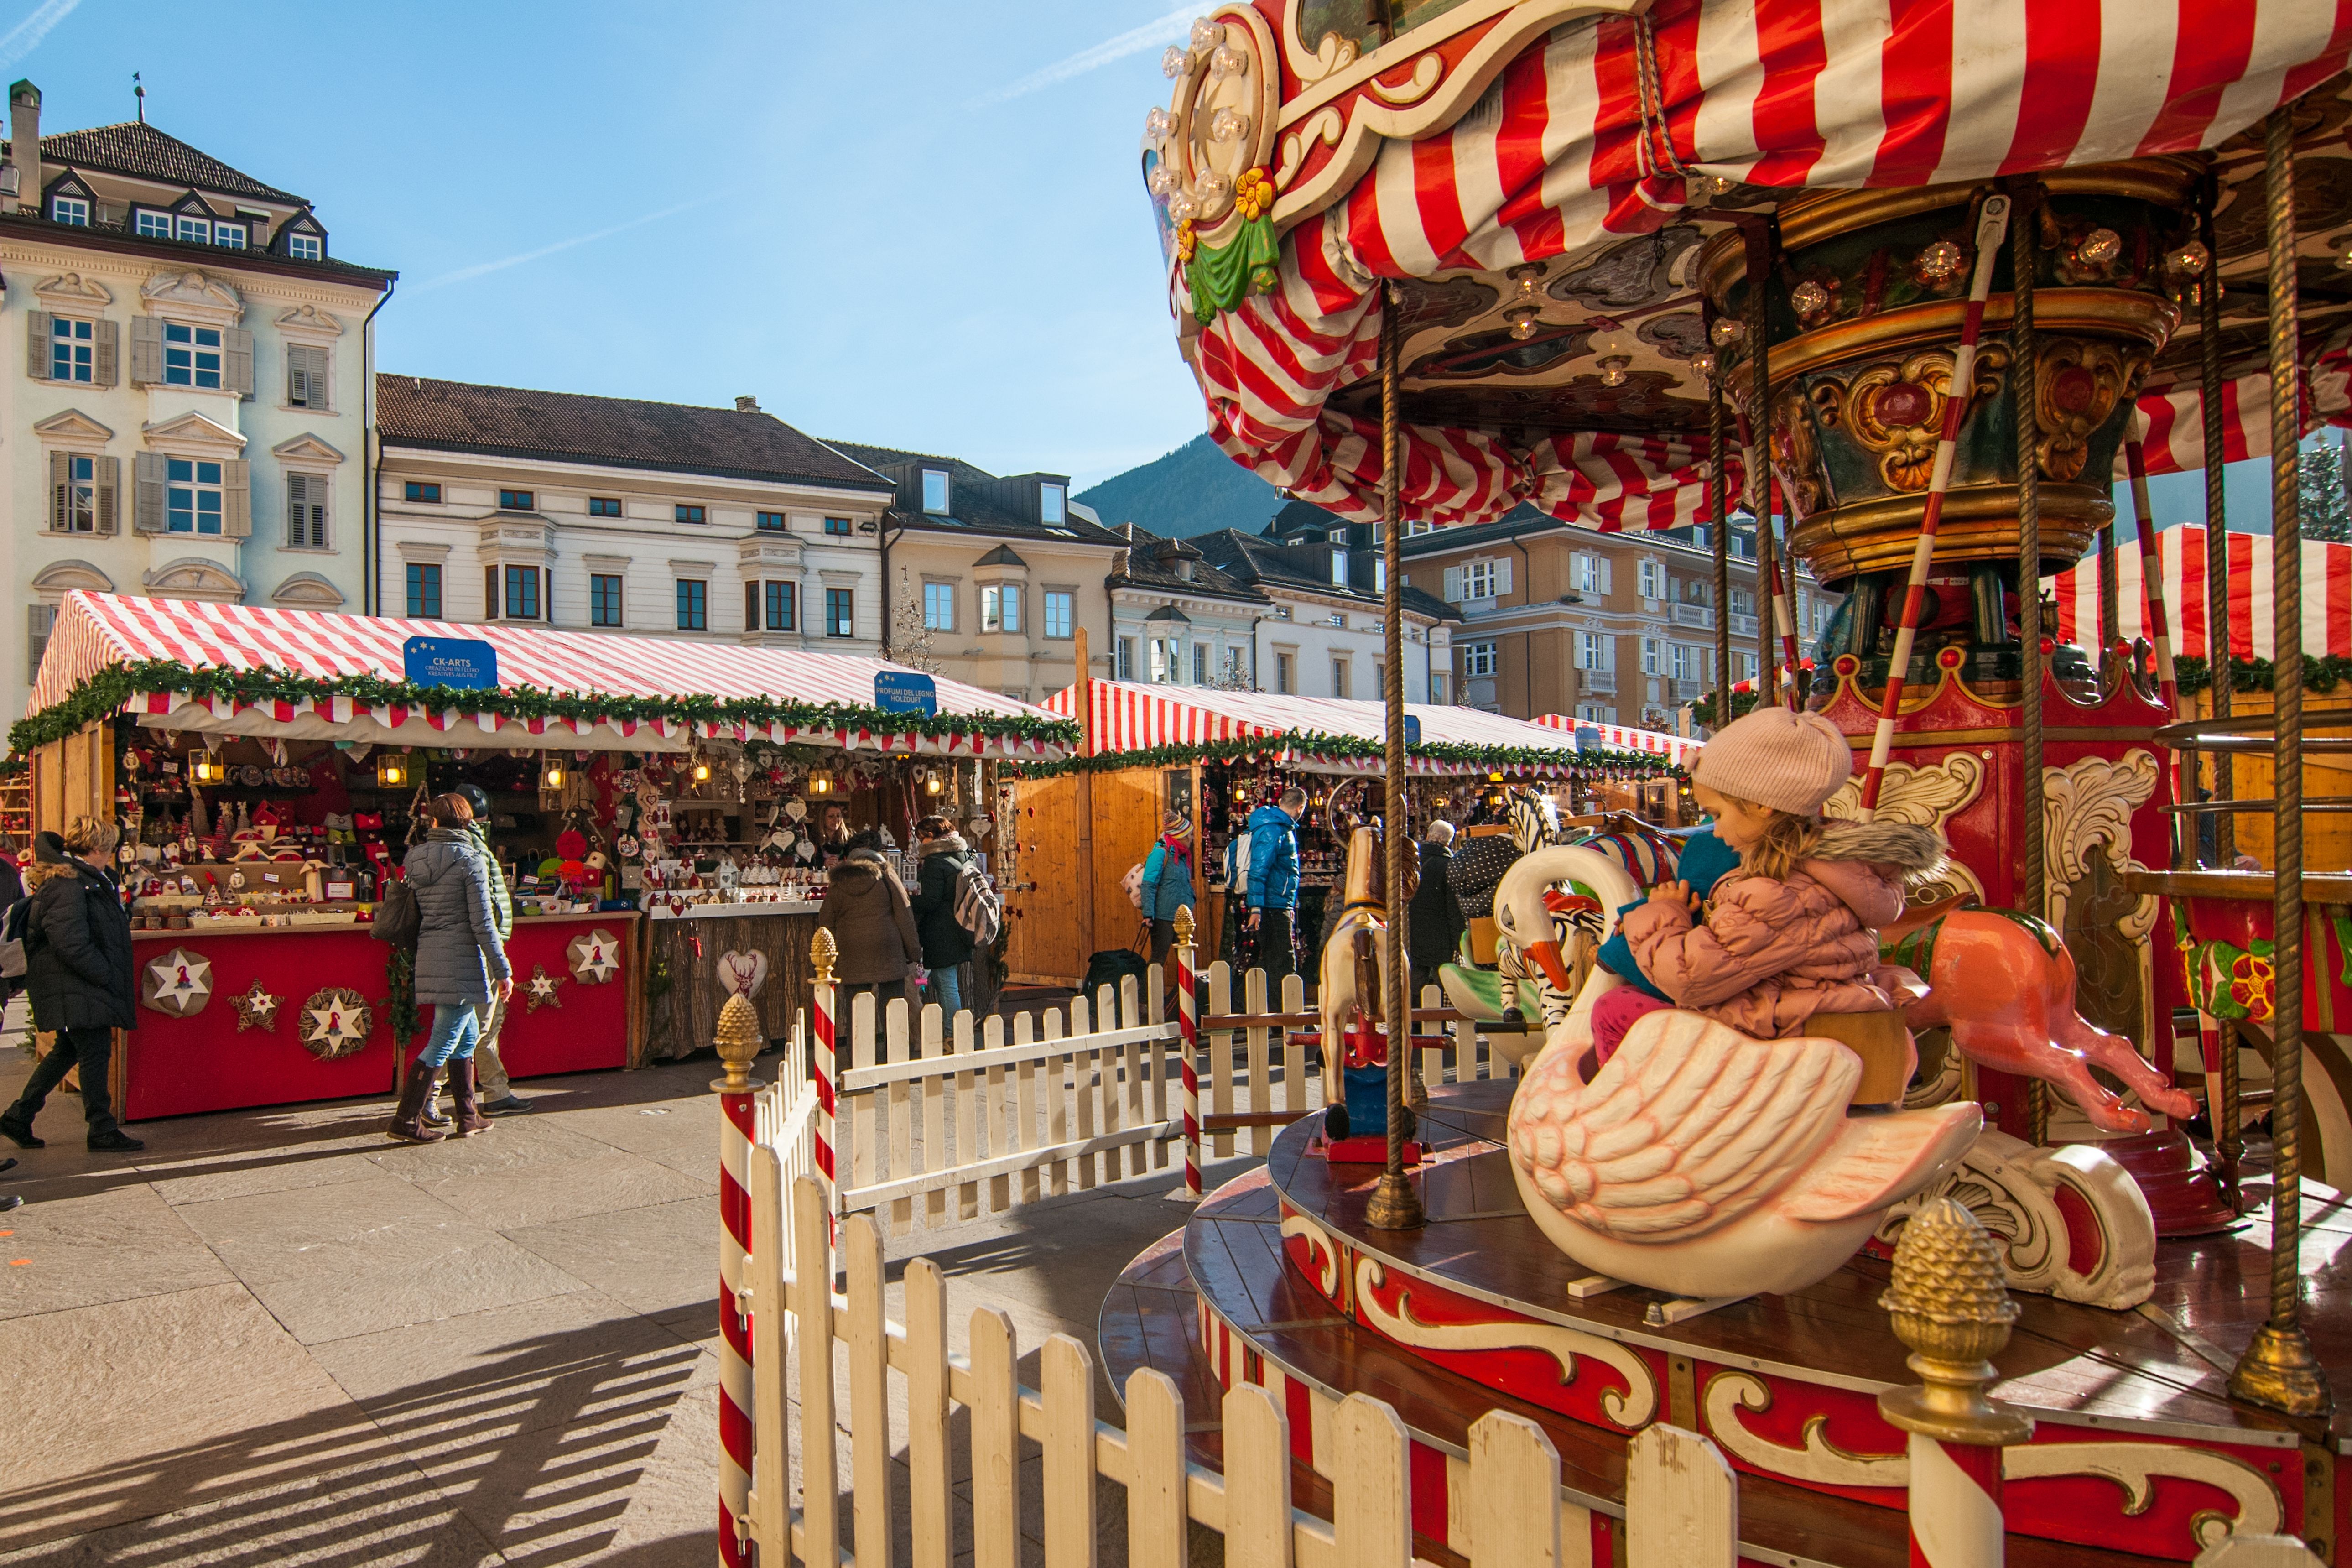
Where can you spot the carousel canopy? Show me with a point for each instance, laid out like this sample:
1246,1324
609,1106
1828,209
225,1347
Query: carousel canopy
1137,724
1676,749
2327,595
244,670
1308,156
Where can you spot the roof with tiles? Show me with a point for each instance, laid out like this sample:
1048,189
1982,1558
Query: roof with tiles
451,416
138,149
1251,558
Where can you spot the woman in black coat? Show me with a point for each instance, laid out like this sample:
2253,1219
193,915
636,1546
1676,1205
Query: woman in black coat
1433,923
79,977
941,858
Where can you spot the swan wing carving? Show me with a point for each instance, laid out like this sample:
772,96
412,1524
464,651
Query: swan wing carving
1689,1126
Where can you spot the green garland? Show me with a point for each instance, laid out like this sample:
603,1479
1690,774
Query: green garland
1312,743
105,692
400,1000
2320,673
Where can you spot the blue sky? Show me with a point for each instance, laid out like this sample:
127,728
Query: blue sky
911,223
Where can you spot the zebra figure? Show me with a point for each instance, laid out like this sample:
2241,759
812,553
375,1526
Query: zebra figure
1534,825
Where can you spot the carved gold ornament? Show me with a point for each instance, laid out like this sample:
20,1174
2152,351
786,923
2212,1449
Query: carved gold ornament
2075,388
1896,410
1926,796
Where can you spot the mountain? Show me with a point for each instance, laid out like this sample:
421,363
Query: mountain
1195,489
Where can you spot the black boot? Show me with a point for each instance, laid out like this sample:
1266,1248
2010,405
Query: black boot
469,1117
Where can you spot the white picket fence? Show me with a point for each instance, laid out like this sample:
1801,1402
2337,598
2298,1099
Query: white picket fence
1681,1505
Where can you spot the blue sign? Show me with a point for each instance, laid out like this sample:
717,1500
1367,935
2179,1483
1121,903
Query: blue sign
1413,729
906,691
1587,737
465,663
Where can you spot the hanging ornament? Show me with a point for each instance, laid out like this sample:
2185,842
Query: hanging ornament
594,956
539,991
336,1022
256,1009
177,985
742,973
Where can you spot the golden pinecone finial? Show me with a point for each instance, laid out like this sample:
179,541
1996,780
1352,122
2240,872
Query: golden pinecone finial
823,949
1183,924
739,1040
1949,1300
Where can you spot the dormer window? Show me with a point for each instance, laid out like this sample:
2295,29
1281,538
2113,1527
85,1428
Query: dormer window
1338,536
74,210
1051,503
306,247
935,492
1338,568
155,225
189,228
228,236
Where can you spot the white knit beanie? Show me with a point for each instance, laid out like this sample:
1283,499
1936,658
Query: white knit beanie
1790,762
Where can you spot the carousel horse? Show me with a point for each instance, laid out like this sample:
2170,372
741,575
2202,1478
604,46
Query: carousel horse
1354,986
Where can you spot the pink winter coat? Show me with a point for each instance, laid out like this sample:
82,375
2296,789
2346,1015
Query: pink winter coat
1772,955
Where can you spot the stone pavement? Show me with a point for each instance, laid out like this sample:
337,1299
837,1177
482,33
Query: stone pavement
277,1337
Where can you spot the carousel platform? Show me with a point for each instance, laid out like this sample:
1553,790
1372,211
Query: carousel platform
2137,1452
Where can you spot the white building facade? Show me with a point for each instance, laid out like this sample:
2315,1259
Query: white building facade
187,402
610,514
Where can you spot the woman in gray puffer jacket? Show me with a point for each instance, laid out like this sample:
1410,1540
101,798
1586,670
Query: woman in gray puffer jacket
460,967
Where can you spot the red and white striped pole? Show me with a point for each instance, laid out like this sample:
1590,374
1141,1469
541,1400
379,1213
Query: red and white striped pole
1950,1303
822,952
1188,1030
739,1045
1992,228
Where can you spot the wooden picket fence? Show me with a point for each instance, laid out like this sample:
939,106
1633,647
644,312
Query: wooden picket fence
937,1121
1681,1504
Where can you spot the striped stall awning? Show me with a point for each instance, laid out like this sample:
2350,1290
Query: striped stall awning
2326,594
1591,137
95,632
1625,738
1136,717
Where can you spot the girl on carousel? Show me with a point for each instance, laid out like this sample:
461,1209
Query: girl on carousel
1791,930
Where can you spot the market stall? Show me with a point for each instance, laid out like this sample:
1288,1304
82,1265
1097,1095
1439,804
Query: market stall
1215,756
664,823
1662,800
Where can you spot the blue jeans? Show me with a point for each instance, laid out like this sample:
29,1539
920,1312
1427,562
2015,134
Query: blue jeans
455,1027
947,988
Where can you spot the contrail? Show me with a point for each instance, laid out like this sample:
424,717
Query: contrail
25,36
464,273
1166,30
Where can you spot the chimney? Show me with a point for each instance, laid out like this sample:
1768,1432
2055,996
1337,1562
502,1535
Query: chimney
25,143
747,403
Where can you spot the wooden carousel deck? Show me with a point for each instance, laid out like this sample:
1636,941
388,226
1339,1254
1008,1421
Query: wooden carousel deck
2138,1451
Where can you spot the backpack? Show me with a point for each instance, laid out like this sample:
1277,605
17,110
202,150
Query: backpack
398,918
977,907
16,934
1132,884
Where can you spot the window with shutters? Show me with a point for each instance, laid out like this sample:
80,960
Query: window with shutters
39,621
840,611
1481,660
1596,713
605,599
73,350
1747,667
192,355
1061,614
306,511
1651,655
192,496
1687,662
782,601
306,377
522,593
1593,651
1478,579
82,497
939,606
425,590
413,490
1652,575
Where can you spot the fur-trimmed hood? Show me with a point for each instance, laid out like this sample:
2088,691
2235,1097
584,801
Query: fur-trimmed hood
1868,864
41,871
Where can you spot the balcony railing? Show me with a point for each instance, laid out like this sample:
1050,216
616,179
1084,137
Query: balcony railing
1597,682
1700,615
1742,626
1687,690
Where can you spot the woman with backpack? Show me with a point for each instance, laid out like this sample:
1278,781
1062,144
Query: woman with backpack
867,910
461,967
1167,884
79,976
942,859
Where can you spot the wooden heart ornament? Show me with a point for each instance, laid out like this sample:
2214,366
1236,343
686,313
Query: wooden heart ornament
742,973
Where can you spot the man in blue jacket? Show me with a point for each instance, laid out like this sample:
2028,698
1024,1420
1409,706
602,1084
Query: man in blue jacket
1273,893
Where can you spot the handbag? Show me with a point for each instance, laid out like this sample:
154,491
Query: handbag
398,918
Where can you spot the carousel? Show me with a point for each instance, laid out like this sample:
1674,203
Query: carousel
1910,312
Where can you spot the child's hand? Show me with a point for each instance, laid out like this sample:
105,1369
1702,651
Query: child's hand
1677,893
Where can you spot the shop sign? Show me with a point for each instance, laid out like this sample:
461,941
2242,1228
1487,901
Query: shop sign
467,664
1413,729
906,691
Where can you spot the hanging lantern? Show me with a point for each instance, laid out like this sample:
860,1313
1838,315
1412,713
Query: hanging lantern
550,774
392,770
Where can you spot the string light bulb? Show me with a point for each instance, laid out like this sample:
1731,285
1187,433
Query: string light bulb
1613,368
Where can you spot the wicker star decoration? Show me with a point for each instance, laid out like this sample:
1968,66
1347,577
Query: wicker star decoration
539,991
335,1022
256,1009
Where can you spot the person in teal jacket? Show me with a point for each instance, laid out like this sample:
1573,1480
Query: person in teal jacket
1168,882
1703,862
1273,891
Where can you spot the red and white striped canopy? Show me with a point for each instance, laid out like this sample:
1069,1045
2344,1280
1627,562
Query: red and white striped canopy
2326,594
97,631
1133,716
1625,738
1431,161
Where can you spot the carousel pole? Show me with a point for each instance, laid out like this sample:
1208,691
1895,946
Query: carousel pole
2159,624
1720,534
2033,894
1784,604
2278,1368
2217,521
2111,623
1394,1206
1758,459
1992,223
1188,1029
